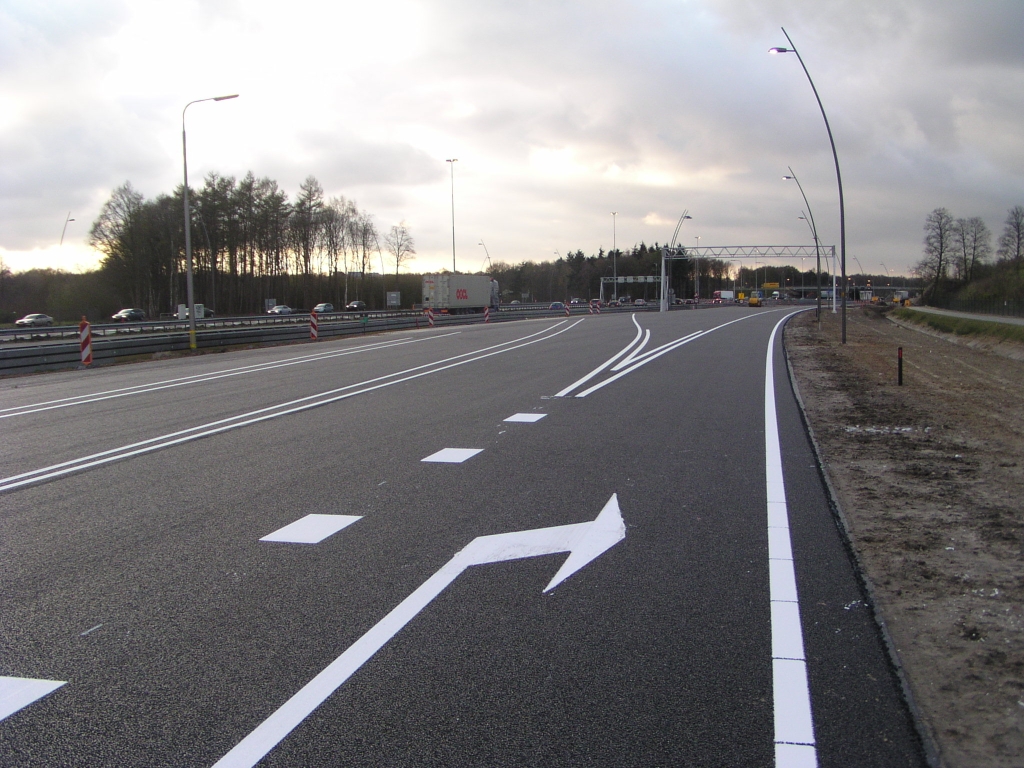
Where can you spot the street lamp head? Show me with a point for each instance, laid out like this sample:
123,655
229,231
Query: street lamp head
687,217
453,160
780,50
225,98
788,178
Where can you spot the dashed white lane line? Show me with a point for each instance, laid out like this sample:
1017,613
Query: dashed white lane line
452,455
794,722
18,692
311,529
527,418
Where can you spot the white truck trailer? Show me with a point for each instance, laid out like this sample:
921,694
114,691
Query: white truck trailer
459,294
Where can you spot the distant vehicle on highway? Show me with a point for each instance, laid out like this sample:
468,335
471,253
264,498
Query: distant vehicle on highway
207,312
639,303
323,307
575,301
754,301
514,301
128,316
355,306
280,309
557,305
596,303
614,303
34,320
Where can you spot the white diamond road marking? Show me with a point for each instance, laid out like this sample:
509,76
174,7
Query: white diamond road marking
18,692
453,455
311,529
528,418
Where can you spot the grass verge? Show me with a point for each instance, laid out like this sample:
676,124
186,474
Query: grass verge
962,326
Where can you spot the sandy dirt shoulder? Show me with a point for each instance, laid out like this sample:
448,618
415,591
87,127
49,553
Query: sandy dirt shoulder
930,478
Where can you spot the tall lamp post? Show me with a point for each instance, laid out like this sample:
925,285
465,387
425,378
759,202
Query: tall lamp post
814,234
453,161
696,269
188,223
65,228
839,178
615,268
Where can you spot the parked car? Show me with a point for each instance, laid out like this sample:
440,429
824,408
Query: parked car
34,320
323,307
280,309
557,305
128,316
355,306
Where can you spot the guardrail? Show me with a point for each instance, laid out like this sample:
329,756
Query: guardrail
47,349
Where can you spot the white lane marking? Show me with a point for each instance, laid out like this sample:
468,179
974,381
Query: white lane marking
791,697
18,692
90,630
311,529
202,378
583,541
642,359
527,418
265,414
605,364
453,455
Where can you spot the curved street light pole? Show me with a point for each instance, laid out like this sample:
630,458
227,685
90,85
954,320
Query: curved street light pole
65,228
188,221
453,161
814,234
839,178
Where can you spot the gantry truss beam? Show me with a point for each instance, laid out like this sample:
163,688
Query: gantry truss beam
749,252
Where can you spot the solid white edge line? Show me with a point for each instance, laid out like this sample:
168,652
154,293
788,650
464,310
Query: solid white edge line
791,697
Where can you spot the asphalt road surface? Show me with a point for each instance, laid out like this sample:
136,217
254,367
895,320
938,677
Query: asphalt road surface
248,558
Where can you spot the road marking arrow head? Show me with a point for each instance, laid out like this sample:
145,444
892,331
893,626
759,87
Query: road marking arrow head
594,539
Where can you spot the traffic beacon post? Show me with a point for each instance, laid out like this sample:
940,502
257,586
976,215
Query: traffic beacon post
85,341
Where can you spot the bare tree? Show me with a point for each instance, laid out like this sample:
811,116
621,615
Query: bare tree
973,243
401,246
938,246
1011,242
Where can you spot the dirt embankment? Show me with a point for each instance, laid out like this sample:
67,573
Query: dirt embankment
930,477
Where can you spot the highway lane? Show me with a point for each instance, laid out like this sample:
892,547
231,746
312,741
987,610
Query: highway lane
145,586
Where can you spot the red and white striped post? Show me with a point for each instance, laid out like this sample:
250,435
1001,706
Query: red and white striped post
430,316
314,330
487,314
566,310
85,341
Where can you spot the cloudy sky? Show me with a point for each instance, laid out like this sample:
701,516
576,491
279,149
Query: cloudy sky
559,113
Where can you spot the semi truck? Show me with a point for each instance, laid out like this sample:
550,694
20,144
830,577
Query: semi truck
459,294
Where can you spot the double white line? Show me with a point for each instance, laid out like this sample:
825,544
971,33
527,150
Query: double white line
201,378
635,358
273,412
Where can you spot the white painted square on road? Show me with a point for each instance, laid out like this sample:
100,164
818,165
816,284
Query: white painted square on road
453,455
311,529
18,692
528,418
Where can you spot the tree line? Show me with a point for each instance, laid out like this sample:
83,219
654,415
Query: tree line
250,243
958,258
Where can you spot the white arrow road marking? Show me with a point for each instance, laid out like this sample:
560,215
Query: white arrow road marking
583,541
311,529
18,692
